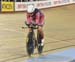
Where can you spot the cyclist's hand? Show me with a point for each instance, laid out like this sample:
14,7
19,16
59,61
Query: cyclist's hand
26,23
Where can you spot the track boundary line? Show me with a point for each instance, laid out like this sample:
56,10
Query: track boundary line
37,53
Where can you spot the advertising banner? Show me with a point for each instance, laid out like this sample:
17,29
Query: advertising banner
21,6
7,6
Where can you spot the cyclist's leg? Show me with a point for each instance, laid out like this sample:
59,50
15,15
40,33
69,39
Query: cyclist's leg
41,33
40,38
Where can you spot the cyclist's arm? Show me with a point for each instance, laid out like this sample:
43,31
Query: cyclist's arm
29,19
37,18
39,21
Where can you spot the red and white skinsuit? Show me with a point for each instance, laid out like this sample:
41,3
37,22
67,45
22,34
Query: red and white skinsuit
37,17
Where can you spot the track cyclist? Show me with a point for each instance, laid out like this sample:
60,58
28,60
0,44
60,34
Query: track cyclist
36,17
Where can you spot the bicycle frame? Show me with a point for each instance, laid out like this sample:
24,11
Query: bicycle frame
30,44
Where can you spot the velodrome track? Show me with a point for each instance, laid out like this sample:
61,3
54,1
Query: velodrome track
59,33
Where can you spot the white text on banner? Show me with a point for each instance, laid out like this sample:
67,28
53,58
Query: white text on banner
21,6
60,2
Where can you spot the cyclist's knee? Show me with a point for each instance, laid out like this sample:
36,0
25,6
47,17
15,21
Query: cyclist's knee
40,29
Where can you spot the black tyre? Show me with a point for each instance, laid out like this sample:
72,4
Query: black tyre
30,44
40,49
30,49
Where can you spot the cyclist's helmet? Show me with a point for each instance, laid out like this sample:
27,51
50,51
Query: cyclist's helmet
30,8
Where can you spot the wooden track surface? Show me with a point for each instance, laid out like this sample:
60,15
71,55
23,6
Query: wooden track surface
59,33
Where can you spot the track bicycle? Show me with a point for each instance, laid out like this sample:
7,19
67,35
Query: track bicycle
32,42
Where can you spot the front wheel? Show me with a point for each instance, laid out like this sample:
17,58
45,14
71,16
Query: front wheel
30,44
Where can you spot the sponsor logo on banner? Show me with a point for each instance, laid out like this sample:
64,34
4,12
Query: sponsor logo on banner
21,6
7,6
43,4
61,1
